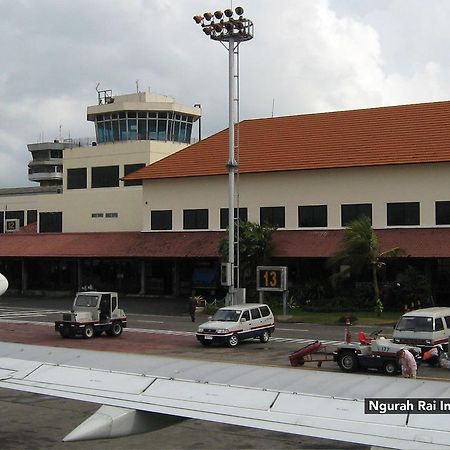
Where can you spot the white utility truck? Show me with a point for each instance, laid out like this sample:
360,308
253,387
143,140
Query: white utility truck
92,314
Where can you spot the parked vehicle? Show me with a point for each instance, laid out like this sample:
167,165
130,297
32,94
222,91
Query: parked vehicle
424,328
92,314
235,323
379,354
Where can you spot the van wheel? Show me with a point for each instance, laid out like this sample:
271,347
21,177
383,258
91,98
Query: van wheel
264,337
88,332
390,368
233,341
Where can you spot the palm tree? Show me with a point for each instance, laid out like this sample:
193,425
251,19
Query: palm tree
359,249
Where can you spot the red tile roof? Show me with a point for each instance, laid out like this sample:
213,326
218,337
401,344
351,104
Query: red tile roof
111,245
405,134
416,242
419,242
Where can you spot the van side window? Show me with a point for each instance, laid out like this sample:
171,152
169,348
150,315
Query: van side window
447,321
438,324
255,313
246,315
266,312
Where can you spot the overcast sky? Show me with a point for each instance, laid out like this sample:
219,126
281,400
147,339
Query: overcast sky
306,56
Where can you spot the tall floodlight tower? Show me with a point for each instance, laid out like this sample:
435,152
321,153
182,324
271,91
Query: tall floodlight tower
230,28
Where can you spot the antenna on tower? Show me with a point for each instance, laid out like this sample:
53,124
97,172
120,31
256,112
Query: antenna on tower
273,106
137,86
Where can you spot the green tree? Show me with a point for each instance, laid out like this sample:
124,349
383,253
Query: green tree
359,249
255,247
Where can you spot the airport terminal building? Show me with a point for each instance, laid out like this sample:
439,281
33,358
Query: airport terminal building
142,209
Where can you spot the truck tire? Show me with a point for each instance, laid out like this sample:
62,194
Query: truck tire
116,329
348,361
88,332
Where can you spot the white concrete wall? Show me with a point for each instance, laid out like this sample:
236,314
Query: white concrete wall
424,183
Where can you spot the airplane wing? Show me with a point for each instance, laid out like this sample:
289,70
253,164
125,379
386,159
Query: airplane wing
305,402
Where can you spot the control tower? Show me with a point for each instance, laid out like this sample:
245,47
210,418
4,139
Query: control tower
46,168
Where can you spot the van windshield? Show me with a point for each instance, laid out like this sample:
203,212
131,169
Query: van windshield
415,324
227,315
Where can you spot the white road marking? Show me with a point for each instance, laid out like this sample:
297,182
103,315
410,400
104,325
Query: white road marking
290,329
150,321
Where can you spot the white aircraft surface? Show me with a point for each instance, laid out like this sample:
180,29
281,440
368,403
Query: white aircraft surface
138,392
3,284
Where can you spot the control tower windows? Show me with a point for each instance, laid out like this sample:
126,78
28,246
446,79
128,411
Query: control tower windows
132,126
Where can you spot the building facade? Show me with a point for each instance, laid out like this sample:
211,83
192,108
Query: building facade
159,220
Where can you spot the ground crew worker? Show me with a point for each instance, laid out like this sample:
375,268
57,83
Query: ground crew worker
408,363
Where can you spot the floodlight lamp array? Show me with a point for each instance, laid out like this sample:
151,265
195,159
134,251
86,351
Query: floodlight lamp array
226,25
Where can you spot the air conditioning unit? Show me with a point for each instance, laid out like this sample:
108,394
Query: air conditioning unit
12,225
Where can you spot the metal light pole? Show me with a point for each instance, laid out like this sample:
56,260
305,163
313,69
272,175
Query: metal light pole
232,28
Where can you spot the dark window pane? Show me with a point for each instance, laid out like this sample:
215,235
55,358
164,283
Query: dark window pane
50,222
2,221
195,219
130,168
152,129
142,130
243,216
56,154
355,211
442,213
101,137
107,176
31,216
161,220
16,215
115,127
272,216
123,135
188,132
77,178
132,128
312,216
162,125
403,213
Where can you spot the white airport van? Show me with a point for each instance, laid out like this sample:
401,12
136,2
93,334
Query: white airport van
232,324
424,328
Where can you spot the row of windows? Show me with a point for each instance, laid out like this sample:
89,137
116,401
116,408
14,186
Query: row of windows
105,176
132,125
44,169
398,214
48,221
39,155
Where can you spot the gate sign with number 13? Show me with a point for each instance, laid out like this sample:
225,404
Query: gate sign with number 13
271,278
